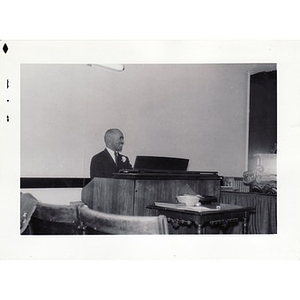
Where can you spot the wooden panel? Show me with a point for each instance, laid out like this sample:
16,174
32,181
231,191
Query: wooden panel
87,194
122,197
110,195
207,187
132,196
149,191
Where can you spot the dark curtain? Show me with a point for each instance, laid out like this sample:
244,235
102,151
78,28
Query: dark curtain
264,220
263,113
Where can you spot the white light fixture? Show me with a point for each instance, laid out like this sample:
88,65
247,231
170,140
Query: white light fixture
114,67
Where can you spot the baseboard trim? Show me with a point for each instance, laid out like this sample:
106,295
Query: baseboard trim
53,182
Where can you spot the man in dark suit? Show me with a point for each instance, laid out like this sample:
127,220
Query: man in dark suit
110,161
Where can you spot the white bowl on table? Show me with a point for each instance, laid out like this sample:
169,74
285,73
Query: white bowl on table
188,200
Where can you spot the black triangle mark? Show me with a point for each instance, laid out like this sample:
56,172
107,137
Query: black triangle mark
5,48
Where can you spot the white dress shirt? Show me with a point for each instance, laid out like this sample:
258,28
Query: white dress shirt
112,154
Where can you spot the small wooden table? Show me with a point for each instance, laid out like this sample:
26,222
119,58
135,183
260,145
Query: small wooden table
219,214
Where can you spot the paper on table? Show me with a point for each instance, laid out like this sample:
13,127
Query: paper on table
199,208
172,205
184,207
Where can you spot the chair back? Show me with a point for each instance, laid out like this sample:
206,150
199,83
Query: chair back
27,207
95,222
55,219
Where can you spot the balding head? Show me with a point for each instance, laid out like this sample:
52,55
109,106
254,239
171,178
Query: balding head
114,139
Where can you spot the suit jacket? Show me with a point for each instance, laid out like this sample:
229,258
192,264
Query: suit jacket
103,165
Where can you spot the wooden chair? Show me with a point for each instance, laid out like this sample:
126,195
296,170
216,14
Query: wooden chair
52,219
95,222
27,207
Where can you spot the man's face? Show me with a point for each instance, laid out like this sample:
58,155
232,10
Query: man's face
117,141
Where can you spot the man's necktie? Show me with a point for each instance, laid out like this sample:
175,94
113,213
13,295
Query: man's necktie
116,158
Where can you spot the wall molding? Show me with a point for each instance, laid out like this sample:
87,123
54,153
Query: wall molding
53,182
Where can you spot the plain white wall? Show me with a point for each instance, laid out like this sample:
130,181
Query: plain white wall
195,111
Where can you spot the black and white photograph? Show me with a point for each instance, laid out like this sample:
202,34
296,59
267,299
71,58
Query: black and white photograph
130,142
199,148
